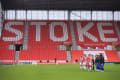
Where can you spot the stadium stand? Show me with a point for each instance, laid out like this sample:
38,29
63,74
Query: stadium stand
94,37
76,54
43,55
110,56
45,37
7,54
12,33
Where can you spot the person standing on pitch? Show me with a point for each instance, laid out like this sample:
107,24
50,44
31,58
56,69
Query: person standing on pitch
96,62
93,62
81,62
89,62
101,63
85,62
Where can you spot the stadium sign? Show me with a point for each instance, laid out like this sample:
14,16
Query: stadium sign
84,31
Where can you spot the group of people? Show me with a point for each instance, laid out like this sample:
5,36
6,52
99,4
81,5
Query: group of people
88,62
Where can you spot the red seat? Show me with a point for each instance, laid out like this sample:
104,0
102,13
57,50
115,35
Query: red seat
43,55
47,49
111,55
95,32
7,54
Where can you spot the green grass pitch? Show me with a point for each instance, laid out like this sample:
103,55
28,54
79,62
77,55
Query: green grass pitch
57,72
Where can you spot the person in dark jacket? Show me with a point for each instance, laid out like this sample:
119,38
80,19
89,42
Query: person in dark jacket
93,62
101,63
97,62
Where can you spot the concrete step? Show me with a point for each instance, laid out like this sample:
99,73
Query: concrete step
25,43
17,53
69,57
118,53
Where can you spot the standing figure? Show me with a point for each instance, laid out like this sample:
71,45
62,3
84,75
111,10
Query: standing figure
101,63
85,62
93,62
97,62
81,62
89,62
